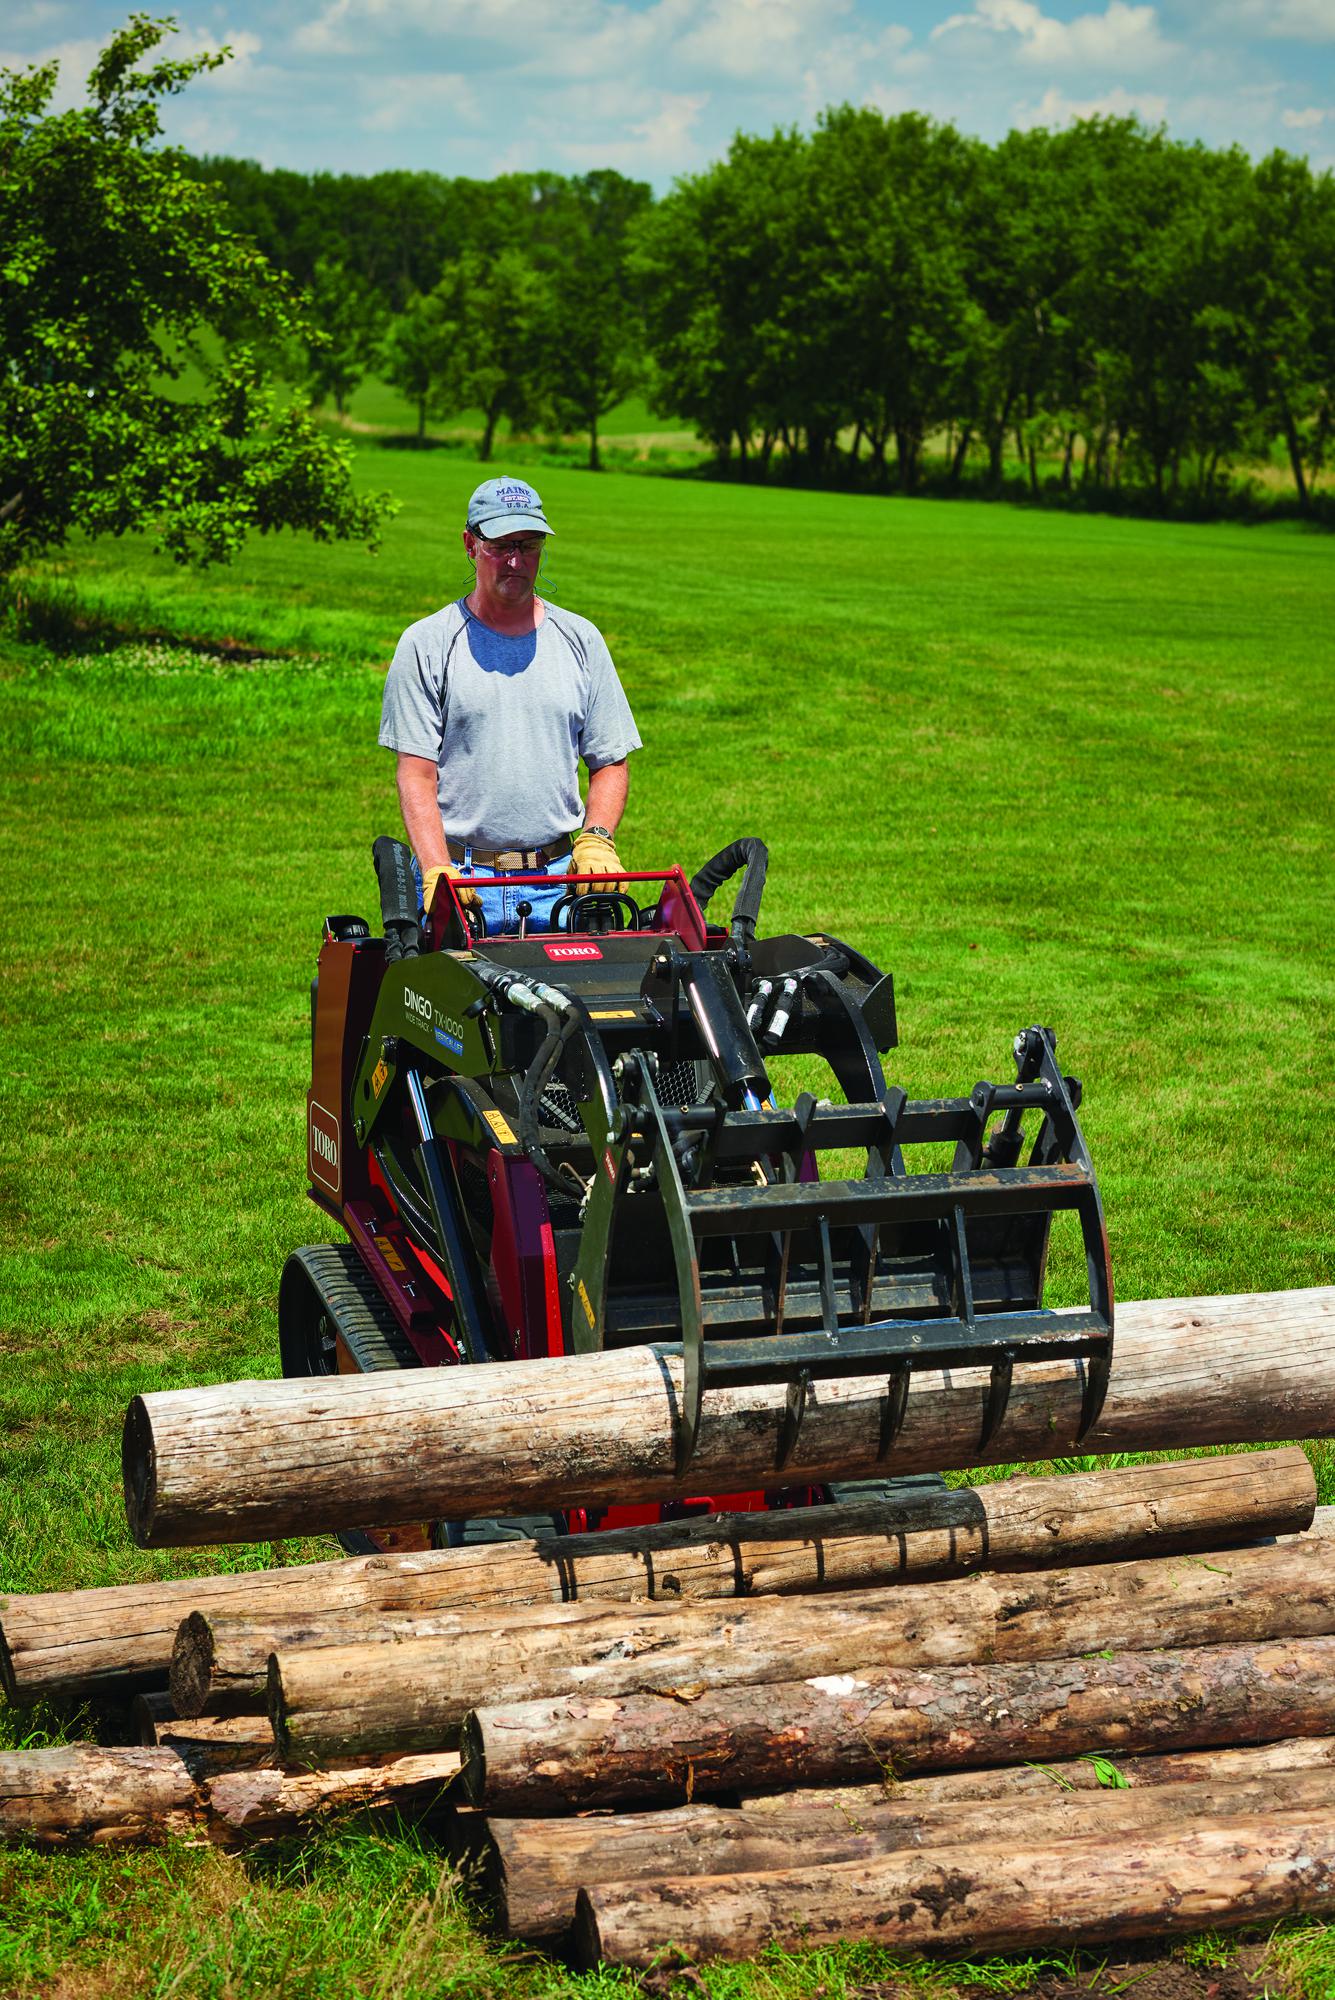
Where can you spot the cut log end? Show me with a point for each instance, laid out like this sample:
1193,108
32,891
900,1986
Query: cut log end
139,1472
191,1665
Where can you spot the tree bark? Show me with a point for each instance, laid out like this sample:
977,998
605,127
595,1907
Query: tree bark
254,1460
81,1794
536,1867
1174,1767
205,1743
1063,1894
251,1805
112,1641
562,1755
404,1685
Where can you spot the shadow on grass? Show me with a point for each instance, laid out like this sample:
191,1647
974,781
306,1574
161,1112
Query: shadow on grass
55,616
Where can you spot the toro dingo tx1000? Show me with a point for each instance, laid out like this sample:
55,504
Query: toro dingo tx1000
567,1141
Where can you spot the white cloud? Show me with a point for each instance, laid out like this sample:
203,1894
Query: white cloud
1306,120
1123,37
1283,20
1054,109
664,142
406,102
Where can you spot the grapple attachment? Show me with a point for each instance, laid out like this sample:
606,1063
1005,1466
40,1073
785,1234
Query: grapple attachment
625,1068
782,1275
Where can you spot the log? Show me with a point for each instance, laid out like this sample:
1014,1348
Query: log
115,1641
249,1460
206,1744
253,1805
1060,1895
563,1755
534,1868
1174,1767
81,1794
343,1700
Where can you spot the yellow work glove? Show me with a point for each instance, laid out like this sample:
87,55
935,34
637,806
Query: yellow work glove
592,853
431,878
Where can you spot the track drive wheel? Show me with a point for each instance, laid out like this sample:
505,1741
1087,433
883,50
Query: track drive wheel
333,1321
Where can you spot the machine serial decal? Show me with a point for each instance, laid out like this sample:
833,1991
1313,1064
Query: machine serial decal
500,1128
584,1301
613,1014
324,1148
389,1253
563,951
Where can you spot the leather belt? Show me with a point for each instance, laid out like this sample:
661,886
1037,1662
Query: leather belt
511,859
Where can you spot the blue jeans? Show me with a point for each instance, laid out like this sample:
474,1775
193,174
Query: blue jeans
500,900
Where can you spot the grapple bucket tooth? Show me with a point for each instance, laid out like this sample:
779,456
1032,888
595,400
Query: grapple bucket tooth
790,1423
1098,1370
998,1395
893,1409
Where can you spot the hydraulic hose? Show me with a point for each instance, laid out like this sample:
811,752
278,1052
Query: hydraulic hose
751,855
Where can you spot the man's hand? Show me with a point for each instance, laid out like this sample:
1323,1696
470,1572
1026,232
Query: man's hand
592,853
431,880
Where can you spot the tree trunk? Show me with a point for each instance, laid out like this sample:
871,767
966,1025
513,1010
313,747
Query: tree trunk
101,1642
1174,1767
491,417
959,456
595,457
254,1805
536,1867
1057,1896
1295,450
561,1756
247,1461
333,1696
204,1743
421,422
82,1794
1068,459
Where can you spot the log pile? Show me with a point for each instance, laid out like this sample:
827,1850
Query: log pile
1048,1712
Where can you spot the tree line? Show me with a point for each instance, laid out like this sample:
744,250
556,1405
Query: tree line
1116,308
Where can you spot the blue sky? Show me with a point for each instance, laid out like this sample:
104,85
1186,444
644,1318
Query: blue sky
658,87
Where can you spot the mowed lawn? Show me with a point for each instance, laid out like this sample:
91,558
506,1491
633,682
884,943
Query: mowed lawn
1044,768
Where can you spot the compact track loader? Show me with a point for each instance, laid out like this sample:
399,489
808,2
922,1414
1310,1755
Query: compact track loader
565,1141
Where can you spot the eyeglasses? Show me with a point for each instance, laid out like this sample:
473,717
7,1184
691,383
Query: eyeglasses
526,550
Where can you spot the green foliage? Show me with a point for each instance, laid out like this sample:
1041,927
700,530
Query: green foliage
114,262
1109,811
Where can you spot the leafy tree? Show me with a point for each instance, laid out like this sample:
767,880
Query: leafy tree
113,259
348,321
417,353
596,358
1287,299
502,336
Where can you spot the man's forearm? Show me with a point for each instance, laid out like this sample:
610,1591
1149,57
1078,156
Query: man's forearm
606,800
420,806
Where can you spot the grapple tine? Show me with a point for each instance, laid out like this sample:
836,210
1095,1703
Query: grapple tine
1098,1370
998,1395
794,1410
893,1409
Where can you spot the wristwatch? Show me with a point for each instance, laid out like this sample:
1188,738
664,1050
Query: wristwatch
604,831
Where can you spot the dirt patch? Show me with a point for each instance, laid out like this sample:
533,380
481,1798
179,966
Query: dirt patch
1154,1974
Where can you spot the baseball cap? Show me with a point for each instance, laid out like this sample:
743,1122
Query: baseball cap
504,506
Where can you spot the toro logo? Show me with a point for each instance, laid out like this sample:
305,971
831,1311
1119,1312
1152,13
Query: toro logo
573,950
322,1133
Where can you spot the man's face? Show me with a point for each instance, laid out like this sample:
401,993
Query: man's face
507,568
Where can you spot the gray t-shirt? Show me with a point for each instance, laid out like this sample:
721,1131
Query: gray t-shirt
507,721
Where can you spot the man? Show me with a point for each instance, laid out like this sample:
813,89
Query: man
490,704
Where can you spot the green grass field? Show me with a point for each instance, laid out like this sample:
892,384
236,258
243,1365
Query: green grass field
1044,768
